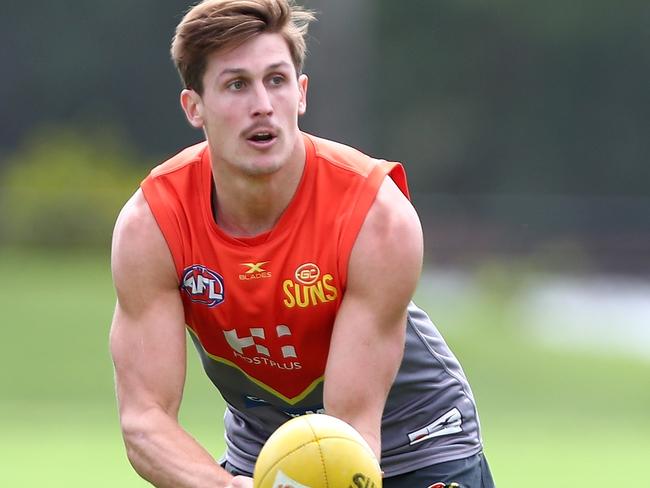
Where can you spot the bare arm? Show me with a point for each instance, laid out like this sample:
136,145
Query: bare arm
369,332
148,348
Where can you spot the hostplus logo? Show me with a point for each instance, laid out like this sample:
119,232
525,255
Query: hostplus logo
254,348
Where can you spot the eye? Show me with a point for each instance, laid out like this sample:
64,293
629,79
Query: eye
235,85
276,80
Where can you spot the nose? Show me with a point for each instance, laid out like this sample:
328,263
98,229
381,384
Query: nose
261,103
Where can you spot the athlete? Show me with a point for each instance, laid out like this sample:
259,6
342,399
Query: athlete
291,261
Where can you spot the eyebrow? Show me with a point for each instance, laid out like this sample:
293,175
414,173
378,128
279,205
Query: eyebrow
239,71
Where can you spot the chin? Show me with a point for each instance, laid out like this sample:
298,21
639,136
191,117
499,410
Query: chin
262,168
269,163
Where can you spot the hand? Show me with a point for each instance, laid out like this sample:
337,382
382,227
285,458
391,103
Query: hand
241,482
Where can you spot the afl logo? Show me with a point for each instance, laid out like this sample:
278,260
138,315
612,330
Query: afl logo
307,274
203,285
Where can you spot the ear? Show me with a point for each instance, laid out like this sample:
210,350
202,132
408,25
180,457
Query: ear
303,83
192,104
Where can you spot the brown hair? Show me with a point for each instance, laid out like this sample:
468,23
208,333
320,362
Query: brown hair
212,25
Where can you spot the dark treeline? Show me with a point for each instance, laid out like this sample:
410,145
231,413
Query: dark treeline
506,96
476,98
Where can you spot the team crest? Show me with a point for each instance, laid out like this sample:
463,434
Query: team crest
309,287
203,285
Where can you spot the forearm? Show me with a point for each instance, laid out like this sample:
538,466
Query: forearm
362,410
166,455
360,398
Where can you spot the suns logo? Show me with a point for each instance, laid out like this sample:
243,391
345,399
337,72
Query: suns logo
203,285
307,274
310,288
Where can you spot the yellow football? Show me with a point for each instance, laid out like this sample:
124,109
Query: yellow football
316,451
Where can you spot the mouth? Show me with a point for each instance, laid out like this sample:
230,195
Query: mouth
262,138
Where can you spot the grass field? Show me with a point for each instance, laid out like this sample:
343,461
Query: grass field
549,417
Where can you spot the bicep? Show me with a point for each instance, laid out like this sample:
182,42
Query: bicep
148,353
147,338
384,269
369,331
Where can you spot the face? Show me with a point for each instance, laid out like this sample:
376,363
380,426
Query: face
250,106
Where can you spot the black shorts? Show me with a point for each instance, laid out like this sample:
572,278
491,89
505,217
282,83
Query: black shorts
471,472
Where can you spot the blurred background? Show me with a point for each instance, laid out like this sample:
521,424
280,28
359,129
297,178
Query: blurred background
524,129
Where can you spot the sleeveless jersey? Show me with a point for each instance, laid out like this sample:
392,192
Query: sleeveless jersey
260,310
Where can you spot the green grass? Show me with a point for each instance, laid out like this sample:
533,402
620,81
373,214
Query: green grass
549,417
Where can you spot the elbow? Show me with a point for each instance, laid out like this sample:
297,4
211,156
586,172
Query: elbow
138,436
135,437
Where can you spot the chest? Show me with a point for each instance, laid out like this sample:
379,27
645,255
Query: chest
266,311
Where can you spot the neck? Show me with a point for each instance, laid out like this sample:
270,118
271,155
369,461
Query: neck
246,205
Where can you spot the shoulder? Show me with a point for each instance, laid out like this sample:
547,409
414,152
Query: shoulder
341,156
136,226
183,159
140,257
352,161
389,246
392,223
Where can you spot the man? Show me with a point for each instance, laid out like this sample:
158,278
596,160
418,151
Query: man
292,261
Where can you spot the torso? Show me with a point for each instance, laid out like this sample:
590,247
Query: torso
260,310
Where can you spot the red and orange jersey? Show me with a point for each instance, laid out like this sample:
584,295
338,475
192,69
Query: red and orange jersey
266,305
260,310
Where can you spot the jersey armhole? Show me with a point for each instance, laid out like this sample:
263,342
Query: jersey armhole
166,222
360,207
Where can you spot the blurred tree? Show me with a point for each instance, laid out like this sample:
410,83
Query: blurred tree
516,115
338,101
89,64
64,188
512,97
476,97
